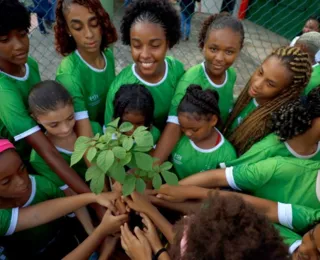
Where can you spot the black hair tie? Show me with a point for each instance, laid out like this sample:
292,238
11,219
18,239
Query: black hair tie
156,256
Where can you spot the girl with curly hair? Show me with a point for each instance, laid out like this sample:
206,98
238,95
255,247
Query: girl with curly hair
83,34
281,78
150,28
202,147
220,40
296,133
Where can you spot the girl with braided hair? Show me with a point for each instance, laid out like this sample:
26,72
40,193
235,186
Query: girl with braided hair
296,133
202,147
281,78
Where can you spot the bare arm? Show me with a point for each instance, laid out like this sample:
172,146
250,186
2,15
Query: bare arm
169,138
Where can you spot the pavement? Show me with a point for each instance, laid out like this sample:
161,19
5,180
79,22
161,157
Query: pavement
259,42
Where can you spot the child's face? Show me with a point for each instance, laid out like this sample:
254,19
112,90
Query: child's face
310,246
14,178
269,79
84,27
59,122
14,47
220,50
135,118
311,26
148,47
195,127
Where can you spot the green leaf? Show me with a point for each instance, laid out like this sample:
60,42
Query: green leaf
105,160
117,172
91,153
119,152
170,178
92,172
144,161
125,127
126,159
114,123
157,181
127,143
138,130
144,139
97,183
165,166
140,185
110,130
129,185
82,140
141,173
142,148
76,156
96,137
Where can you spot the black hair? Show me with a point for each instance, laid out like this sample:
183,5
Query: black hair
220,21
199,101
314,18
295,117
13,16
134,97
154,11
47,96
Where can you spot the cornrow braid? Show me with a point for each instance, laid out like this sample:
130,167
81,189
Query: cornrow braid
199,101
295,117
257,124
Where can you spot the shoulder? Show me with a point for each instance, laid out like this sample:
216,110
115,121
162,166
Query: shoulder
174,64
232,74
33,64
193,75
45,188
109,54
68,63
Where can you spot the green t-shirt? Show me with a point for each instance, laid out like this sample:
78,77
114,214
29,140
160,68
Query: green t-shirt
190,159
314,79
155,134
270,146
42,168
15,120
283,179
87,85
162,92
33,239
290,238
298,218
198,75
243,114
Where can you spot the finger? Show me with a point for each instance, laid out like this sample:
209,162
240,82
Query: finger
165,197
140,235
120,206
124,234
111,207
150,192
124,244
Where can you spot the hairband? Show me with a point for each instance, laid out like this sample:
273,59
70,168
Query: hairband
5,144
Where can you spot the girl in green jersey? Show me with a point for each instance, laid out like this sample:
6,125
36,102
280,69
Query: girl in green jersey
280,78
18,73
150,28
202,147
220,40
134,103
83,34
296,127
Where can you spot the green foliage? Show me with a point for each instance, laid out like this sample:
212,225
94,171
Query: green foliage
111,152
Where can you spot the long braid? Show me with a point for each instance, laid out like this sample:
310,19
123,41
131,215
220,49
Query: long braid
257,124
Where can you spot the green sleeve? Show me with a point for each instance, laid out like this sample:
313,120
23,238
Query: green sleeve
108,115
290,238
250,177
48,188
15,115
8,220
155,134
96,127
111,62
296,217
180,69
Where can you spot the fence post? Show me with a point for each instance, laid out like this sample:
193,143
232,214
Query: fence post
108,6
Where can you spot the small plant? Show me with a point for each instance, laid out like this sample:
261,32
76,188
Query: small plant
111,152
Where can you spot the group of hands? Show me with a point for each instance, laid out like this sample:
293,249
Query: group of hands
139,243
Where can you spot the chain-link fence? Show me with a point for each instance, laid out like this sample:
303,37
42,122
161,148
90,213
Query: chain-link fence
268,24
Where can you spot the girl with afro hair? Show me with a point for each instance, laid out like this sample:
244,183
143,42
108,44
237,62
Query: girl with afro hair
83,34
150,28
296,133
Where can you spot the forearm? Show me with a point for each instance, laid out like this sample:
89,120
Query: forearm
164,256
50,210
85,219
169,138
208,179
183,207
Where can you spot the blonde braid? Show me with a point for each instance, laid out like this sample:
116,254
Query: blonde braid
256,125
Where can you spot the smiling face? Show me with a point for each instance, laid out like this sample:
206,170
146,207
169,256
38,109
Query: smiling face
14,179
84,27
269,80
311,26
310,246
220,50
59,122
148,48
14,47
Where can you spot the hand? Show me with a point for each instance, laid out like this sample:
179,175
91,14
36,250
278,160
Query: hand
111,224
108,246
151,234
138,202
107,199
117,186
136,246
173,193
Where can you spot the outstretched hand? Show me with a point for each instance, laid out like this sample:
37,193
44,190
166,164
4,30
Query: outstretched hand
138,202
